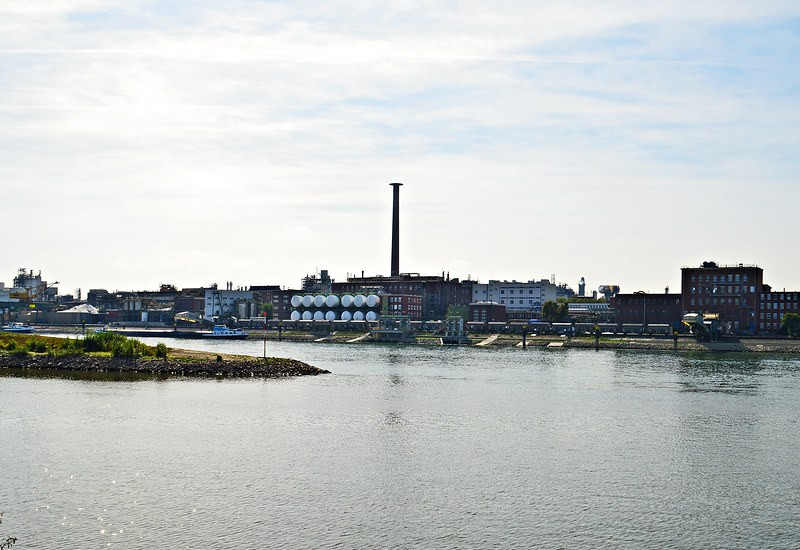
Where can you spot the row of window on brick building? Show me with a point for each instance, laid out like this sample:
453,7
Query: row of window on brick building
732,289
718,301
720,278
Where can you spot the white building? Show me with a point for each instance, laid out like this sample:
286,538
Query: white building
520,296
223,303
11,294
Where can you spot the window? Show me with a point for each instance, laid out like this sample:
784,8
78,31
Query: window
730,277
737,278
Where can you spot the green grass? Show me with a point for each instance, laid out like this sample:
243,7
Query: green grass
104,343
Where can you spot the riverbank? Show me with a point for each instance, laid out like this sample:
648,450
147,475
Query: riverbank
41,353
505,340
493,341
229,367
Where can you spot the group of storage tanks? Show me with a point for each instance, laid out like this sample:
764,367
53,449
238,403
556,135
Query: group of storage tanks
331,307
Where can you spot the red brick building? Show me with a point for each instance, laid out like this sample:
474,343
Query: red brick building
403,304
773,306
730,291
642,308
280,299
487,312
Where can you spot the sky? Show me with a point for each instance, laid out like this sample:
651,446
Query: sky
249,141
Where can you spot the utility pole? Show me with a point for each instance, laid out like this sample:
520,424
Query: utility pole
265,335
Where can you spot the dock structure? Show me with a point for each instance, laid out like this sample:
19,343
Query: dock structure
488,341
393,328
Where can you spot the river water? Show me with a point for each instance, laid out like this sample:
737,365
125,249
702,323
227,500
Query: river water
411,447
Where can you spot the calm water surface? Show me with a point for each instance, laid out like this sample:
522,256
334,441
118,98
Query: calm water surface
412,447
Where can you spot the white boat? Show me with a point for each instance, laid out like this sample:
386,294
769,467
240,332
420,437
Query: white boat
222,332
17,327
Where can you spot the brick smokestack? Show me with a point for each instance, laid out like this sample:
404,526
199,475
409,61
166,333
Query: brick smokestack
396,229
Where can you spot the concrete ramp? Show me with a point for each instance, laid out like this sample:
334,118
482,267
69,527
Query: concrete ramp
555,345
362,337
489,340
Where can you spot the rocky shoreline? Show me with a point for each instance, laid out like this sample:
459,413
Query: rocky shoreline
240,367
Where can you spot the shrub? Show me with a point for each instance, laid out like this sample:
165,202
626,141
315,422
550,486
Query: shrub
161,351
37,346
117,344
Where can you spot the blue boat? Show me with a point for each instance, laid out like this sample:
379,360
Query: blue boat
17,327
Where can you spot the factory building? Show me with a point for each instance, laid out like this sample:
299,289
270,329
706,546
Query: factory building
731,292
518,296
774,306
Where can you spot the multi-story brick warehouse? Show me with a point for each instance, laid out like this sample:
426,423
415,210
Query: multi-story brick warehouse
731,291
642,308
774,306
409,305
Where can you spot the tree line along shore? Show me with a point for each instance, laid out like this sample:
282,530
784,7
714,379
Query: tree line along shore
110,352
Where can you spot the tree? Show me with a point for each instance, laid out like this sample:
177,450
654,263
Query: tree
791,324
555,311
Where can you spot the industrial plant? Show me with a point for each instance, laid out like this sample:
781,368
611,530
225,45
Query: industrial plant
731,298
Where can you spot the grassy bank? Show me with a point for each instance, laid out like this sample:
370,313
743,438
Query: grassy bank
109,352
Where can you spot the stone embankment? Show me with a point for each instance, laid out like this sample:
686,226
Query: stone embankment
271,367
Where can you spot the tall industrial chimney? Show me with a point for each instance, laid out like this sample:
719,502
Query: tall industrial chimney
396,229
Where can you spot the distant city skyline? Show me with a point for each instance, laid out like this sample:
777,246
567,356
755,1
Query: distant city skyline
254,142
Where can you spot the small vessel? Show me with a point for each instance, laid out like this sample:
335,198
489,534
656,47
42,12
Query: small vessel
222,332
17,327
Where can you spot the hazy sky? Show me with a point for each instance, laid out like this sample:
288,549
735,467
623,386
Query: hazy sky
195,142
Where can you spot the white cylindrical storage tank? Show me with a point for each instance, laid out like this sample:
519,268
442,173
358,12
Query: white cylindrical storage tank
307,316
359,301
295,315
347,301
296,301
332,301
372,316
319,300
358,316
346,315
308,301
373,300
319,316
330,316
